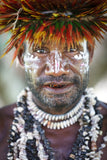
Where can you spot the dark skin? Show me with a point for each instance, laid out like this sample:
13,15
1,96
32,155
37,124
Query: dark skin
60,140
56,76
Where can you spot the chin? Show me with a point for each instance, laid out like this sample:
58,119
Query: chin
58,104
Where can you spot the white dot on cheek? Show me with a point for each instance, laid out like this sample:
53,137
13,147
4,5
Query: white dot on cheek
78,57
30,71
84,57
34,70
84,67
30,63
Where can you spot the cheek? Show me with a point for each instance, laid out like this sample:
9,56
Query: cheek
84,66
80,63
33,65
81,60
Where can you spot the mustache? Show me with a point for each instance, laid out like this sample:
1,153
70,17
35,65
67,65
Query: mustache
62,78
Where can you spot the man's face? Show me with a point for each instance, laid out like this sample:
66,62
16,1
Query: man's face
57,77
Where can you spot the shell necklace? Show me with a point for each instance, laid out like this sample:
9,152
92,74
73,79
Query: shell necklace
27,138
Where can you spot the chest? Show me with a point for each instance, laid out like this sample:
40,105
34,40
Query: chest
62,142
5,125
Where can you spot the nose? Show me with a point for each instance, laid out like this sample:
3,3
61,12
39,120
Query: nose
56,65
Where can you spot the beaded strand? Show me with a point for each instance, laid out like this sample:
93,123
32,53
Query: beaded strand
27,138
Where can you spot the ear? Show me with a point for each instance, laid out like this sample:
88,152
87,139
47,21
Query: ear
91,51
20,55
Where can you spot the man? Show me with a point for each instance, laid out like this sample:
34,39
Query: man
55,117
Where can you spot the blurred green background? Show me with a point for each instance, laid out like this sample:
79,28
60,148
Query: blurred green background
12,79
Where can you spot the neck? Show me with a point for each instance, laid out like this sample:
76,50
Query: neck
27,129
56,121
56,109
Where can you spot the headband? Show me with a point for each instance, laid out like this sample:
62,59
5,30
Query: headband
62,22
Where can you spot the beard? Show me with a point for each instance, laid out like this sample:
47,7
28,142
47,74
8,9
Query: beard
57,103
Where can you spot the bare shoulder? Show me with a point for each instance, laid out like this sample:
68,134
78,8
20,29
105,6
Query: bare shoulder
7,110
6,118
102,107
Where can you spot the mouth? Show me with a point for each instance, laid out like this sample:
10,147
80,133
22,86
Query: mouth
58,87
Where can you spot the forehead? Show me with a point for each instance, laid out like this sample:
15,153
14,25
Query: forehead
52,46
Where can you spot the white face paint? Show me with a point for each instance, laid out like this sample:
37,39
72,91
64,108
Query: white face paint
30,60
50,64
84,56
56,60
55,63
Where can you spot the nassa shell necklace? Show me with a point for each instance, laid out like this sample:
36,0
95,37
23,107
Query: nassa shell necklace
27,138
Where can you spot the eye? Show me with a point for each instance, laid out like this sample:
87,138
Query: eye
75,49
72,50
42,50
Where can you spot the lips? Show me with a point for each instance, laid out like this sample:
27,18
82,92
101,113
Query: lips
57,87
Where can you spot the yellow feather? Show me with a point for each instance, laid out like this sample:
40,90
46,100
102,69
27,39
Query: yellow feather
22,29
26,9
10,6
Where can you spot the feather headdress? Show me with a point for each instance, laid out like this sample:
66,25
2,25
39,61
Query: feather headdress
59,21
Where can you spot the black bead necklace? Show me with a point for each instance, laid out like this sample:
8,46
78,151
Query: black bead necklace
28,141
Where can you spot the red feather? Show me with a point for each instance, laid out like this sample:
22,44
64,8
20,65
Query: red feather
29,34
6,29
88,11
24,1
88,35
51,29
16,52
